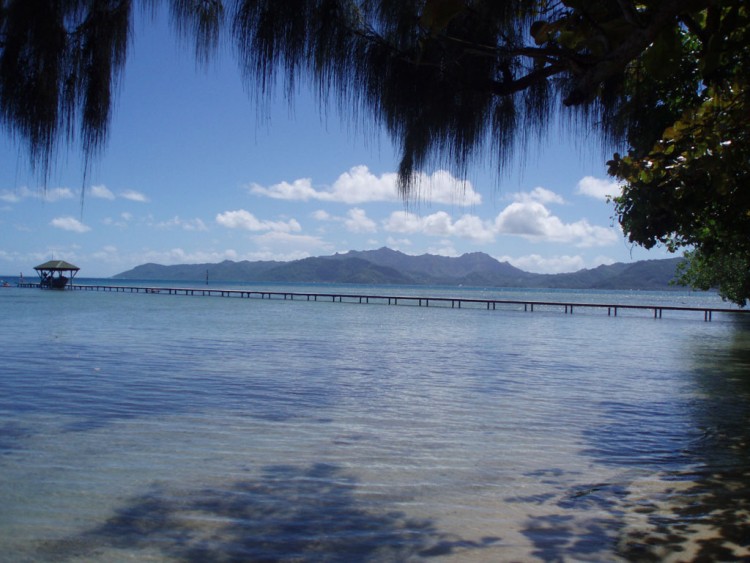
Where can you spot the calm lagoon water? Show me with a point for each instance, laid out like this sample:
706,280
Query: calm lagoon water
140,427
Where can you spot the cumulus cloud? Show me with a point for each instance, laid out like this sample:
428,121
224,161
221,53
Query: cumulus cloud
443,187
440,224
358,222
242,219
321,215
359,185
533,221
102,192
133,195
403,222
539,194
541,265
299,190
355,221
598,188
69,224
527,217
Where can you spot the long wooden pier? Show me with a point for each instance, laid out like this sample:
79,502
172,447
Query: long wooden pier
420,301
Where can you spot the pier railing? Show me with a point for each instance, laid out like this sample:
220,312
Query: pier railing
420,301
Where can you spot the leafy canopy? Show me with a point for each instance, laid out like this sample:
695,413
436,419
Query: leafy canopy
688,186
452,81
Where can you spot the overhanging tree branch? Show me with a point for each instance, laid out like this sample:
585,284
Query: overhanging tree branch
628,50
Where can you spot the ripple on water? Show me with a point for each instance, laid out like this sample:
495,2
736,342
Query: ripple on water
179,428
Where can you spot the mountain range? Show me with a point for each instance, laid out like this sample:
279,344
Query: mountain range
385,266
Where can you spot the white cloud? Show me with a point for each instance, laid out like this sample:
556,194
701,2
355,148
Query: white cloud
554,264
443,187
539,194
533,221
402,222
193,225
122,222
180,256
69,224
290,246
445,249
133,195
527,217
359,222
359,185
277,246
242,219
48,195
598,188
541,265
437,224
355,221
184,224
299,190
440,224
321,215
102,192
473,228
56,194
278,256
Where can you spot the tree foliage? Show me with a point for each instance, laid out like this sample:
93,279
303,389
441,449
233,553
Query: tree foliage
687,188
59,63
452,81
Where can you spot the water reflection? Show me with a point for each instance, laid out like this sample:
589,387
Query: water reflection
288,513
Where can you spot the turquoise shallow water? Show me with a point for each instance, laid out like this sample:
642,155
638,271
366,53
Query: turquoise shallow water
173,428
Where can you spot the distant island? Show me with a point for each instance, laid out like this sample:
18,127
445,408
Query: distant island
391,267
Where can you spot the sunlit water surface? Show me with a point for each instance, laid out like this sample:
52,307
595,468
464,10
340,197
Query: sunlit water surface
172,428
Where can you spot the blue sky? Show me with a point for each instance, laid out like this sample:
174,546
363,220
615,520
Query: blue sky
193,172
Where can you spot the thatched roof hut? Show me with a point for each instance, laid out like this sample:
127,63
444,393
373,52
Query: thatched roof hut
57,266
52,273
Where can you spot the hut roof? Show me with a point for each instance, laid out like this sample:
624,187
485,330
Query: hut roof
57,265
